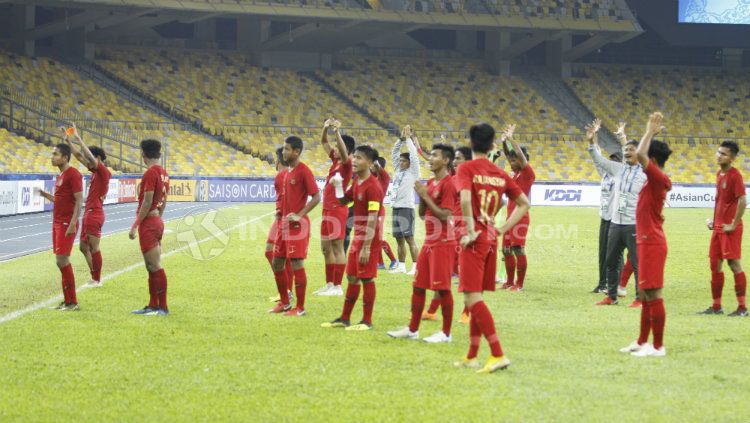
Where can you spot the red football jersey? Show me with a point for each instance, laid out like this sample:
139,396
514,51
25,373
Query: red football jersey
524,179
154,179
67,184
98,187
297,185
487,184
367,196
729,188
330,201
278,184
648,212
384,179
443,194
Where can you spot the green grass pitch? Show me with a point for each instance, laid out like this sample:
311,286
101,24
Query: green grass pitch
221,357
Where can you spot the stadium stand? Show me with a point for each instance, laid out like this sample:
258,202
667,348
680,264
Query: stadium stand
448,95
695,102
68,96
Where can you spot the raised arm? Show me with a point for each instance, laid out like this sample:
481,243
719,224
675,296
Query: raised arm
413,157
420,151
78,154
324,137
653,127
340,146
620,133
600,161
508,135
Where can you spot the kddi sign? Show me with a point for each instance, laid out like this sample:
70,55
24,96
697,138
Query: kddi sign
563,195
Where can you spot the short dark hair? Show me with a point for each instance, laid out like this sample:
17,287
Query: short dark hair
64,150
523,150
616,156
370,153
98,152
280,156
151,148
295,142
632,142
381,161
482,137
405,156
466,151
659,151
447,151
732,146
349,143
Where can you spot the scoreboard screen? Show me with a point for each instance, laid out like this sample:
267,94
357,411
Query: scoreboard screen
714,11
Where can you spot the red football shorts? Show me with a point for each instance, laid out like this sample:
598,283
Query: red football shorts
333,225
476,267
62,245
516,236
435,267
273,233
726,246
357,270
292,239
651,261
92,224
150,232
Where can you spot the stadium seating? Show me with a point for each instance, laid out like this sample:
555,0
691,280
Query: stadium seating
695,103
68,96
448,95
22,155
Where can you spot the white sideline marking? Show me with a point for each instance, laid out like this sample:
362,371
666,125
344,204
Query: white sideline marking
57,298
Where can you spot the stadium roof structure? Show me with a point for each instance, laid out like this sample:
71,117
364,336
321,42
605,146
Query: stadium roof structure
339,25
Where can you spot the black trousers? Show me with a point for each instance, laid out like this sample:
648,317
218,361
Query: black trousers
620,237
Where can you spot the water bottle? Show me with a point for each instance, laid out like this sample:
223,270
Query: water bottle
338,183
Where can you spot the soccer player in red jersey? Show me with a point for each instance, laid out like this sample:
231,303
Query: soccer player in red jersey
378,170
726,227
463,154
362,265
514,241
481,186
435,260
333,225
281,167
67,201
294,228
651,241
152,200
93,216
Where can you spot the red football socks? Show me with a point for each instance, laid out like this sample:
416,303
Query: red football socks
446,300
282,286
153,301
717,285
352,294
368,301
481,313
475,338
388,251
645,323
338,272
520,270
418,297
289,275
300,285
627,271
160,285
510,268
740,285
96,262
658,320
329,272
434,304
69,284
